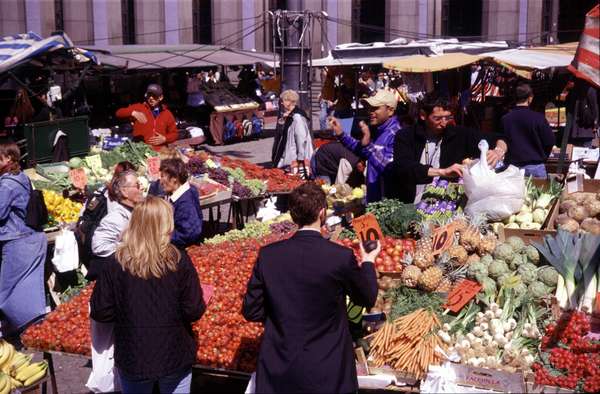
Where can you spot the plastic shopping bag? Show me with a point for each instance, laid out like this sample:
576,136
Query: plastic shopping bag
104,377
496,195
66,252
251,388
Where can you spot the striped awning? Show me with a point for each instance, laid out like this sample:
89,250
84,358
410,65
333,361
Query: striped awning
586,64
21,48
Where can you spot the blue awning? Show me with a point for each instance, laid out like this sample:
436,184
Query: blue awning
20,48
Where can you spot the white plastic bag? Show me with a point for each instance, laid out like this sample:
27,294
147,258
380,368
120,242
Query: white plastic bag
104,377
497,195
251,388
66,253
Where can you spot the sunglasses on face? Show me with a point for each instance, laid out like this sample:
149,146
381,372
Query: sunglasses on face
151,96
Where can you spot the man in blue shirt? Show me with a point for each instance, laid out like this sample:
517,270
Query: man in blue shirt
379,152
528,134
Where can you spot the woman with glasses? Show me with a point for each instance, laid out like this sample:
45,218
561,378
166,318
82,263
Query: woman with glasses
436,147
152,121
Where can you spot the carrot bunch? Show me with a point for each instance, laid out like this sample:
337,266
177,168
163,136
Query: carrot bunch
408,343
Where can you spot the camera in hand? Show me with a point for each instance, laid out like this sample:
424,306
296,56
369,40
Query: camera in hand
369,246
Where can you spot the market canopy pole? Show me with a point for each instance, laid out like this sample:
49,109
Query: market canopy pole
292,38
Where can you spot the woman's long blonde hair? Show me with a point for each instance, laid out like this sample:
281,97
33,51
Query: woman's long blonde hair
146,249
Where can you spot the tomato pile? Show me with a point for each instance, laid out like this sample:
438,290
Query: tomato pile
277,180
66,329
392,252
570,359
225,339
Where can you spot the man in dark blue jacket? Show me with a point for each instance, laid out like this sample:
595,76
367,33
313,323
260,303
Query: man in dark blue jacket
298,288
528,134
185,199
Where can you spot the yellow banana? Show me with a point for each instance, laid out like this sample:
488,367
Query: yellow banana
22,360
36,377
15,383
31,370
5,385
3,352
8,352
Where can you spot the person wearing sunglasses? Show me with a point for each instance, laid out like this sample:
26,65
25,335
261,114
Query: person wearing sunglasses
152,120
436,147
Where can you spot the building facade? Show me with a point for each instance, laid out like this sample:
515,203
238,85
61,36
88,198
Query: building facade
245,24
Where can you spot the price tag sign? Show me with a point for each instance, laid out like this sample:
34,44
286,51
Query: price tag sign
154,167
78,178
94,161
443,238
367,227
207,292
461,294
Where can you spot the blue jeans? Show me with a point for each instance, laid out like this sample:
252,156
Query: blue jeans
179,382
535,170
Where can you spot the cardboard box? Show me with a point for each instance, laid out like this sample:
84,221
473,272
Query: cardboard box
487,379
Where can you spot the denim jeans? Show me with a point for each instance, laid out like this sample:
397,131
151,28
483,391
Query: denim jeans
535,170
179,382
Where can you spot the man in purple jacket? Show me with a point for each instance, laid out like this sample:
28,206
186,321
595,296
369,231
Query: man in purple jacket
380,152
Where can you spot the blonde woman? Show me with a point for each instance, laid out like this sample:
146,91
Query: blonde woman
150,290
292,147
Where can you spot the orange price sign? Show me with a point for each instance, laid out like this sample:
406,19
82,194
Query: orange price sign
443,238
154,167
461,294
78,178
367,227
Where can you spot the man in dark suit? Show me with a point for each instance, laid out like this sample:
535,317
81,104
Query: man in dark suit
298,289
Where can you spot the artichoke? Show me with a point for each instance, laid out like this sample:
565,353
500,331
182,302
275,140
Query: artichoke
532,254
489,286
516,262
528,272
486,259
497,268
548,275
503,252
516,243
538,290
477,268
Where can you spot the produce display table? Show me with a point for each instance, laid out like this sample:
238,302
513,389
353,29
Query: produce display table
217,120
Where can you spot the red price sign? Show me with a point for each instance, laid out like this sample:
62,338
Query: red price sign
461,294
78,178
207,292
443,238
154,167
367,228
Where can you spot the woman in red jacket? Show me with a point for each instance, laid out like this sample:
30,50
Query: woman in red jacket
152,120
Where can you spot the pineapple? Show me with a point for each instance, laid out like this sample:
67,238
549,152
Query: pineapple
423,259
487,245
445,286
411,275
458,254
431,278
470,239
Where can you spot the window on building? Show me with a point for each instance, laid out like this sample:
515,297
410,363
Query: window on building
202,20
368,20
571,18
59,17
462,18
128,19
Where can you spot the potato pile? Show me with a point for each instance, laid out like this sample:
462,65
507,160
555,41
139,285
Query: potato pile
580,211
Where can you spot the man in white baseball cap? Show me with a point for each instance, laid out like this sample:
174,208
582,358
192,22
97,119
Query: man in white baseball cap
378,151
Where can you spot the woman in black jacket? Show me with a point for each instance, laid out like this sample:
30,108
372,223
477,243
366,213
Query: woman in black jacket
435,147
151,291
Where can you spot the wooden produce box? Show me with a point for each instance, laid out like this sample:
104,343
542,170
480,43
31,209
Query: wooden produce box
529,236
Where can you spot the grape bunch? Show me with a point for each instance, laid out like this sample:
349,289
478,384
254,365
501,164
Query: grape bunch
219,175
240,190
282,227
196,166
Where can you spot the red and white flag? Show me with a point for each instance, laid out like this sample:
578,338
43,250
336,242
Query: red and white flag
586,64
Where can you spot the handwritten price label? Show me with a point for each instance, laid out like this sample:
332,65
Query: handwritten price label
461,294
443,238
154,167
367,228
78,178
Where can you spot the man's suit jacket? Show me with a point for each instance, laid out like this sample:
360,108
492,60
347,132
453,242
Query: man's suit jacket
298,289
